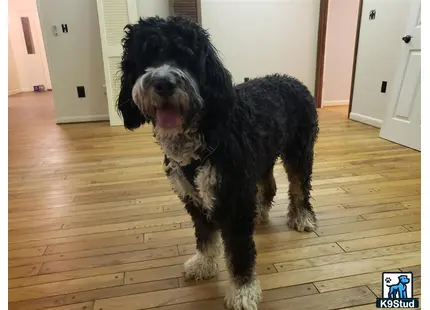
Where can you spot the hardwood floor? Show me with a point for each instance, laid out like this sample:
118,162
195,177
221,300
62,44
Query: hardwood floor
93,223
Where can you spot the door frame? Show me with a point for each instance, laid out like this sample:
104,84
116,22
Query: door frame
18,44
322,35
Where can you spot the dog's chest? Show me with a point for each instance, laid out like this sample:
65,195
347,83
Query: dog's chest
195,181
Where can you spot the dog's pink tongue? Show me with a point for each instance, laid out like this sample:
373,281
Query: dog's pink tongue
167,117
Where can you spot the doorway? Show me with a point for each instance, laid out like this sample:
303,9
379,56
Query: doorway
338,33
27,46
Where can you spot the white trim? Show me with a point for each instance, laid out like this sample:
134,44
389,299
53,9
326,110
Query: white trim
133,15
113,51
28,89
81,119
331,103
14,92
366,119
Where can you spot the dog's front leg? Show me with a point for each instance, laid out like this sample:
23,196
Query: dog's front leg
205,263
237,229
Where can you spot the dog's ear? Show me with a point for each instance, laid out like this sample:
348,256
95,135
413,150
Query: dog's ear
132,116
216,81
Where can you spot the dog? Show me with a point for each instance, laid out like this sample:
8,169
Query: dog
399,290
220,143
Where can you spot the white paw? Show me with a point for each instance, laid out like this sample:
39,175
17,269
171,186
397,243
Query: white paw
200,267
244,297
303,221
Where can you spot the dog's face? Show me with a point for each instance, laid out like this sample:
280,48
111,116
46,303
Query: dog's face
169,95
403,279
170,75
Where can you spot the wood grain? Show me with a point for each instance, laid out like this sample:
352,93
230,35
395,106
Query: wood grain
94,224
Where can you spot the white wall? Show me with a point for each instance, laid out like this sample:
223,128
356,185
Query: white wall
339,54
378,56
74,59
147,8
262,37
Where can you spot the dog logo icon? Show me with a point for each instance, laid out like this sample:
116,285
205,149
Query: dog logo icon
397,291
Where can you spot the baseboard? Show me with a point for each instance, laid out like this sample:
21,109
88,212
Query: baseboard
331,103
366,119
14,92
27,89
82,119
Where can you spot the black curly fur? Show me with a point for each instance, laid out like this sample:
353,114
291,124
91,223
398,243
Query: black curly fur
246,128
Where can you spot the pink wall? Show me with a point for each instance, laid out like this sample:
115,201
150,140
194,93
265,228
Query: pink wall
13,78
340,42
32,69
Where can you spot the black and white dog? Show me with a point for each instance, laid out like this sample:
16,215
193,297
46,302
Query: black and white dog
220,141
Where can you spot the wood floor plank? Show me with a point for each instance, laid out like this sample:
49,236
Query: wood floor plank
272,243
370,224
416,270
107,260
92,294
270,295
348,257
94,271
396,213
383,208
79,306
65,287
28,252
351,281
381,241
94,252
94,244
413,227
324,301
298,253
146,225
94,236
24,271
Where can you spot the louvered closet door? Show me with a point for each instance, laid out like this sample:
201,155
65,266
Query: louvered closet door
113,16
187,8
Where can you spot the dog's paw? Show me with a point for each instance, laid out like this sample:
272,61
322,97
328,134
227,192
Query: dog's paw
200,267
244,297
304,220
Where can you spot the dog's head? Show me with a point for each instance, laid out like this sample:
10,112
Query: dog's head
171,75
403,279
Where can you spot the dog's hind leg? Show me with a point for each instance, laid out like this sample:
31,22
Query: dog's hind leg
298,163
265,195
205,263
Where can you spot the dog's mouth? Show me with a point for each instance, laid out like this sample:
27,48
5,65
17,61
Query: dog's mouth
168,117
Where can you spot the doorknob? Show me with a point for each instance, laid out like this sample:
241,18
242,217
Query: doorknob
407,39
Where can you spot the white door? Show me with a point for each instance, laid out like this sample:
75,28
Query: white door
29,51
113,16
402,123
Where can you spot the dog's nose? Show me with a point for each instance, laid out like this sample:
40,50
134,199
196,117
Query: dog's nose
164,87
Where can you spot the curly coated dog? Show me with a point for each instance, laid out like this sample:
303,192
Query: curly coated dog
220,141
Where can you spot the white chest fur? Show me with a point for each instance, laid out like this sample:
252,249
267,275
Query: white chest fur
203,192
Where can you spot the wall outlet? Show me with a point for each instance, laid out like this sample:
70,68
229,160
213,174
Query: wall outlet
81,91
384,87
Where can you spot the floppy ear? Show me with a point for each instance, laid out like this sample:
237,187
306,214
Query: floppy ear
216,81
132,116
